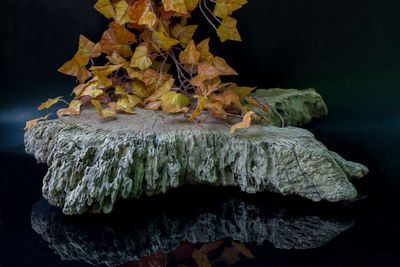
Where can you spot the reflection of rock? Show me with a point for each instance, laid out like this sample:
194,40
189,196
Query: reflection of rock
94,163
297,107
114,240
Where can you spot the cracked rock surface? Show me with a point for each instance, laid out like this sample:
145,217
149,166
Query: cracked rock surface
95,162
108,242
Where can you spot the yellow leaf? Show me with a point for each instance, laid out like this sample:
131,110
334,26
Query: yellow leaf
104,70
163,89
76,67
116,106
175,5
174,98
184,33
121,10
138,89
191,4
228,31
49,103
163,41
103,112
224,8
32,122
241,91
199,109
117,38
87,48
140,58
134,100
105,8
116,59
244,124
220,64
119,90
190,55
134,73
73,109
125,103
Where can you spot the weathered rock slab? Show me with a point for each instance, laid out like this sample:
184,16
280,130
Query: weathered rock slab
94,162
297,107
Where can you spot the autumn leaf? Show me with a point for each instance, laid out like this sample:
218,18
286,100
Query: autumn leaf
73,109
117,106
117,38
175,5
228,97
228,31
49,103
221,65
202,100
105,7
252,102
141,12
138,89
211,246
230,255
163,41
87,48
121,12
153,105
104,70
201,258
204,49
241,91
190,55
77,67
245,123
103,112
174,101
191,4
140,58
32,122
239,247
206,71
116,59
184,33
163,89
224,8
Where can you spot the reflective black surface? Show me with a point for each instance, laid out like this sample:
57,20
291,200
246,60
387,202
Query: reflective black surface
348,50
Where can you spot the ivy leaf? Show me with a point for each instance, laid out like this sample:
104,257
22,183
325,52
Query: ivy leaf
175,5
105,7
141,13
117,38
206,71
77,67
163,41
50,102
175,99
220,64
245,123
87,48
103,112
228,97
116,59
190,55
73,109
228,31
224,8
202,100
121,10
104,70
191,4
140,58
184,33
241,91
162,90
204,50
32,122
217,109
153,105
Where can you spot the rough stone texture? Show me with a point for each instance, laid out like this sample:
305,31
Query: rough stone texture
76,239
93,162
297,107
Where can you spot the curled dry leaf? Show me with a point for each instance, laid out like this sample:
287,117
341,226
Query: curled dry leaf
73,109
49,103
32,122
245,123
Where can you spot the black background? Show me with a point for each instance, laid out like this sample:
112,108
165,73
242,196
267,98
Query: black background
347,50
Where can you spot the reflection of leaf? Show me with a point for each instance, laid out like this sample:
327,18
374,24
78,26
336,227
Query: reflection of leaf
244,124
32,122
49,103
242,249
230,255
201,258
211,246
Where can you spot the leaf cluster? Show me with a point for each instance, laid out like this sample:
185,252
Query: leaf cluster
153,63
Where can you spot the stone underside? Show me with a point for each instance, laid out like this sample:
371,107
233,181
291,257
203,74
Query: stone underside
94,162
259,223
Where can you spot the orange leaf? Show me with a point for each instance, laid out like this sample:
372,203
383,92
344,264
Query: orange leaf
184,33
206,71
244,124
175,5
32,122
204,50
103,112
73,109
201,258
221,65
117,38
252,102
163,89
190,55
76,67
141,13
228,31
239,247
49,103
